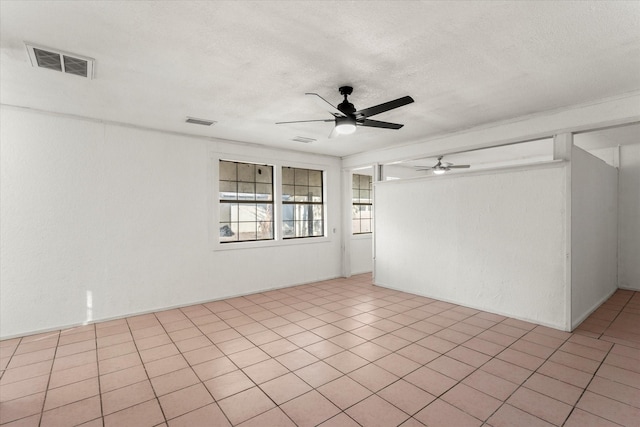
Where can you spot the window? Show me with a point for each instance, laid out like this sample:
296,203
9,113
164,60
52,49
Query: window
246,202
302,203
362,204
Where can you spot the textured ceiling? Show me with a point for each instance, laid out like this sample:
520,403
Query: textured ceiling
247,64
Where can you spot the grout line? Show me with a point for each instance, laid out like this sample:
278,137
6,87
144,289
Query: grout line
46,390
145,371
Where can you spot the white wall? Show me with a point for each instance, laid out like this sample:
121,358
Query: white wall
594,233
629,218
361,253
99,221
490,240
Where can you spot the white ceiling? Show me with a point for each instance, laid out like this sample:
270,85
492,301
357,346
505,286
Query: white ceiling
248,64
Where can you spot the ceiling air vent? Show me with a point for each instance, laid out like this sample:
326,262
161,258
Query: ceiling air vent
303,139
203,122
68,63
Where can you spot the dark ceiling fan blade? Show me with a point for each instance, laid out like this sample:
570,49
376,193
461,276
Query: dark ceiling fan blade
381,108
458,166
378,124
326,105
306,121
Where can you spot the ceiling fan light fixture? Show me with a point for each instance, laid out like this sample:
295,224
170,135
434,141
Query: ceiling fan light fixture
345,125
439,171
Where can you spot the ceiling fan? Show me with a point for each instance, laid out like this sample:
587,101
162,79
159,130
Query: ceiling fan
346,117
442,167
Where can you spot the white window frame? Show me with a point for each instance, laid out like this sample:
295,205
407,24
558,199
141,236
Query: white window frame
278,240
367,233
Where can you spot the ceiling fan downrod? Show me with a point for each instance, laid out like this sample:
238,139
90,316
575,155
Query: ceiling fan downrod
345,106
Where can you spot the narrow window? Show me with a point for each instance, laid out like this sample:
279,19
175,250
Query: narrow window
362,204
302,203
246,202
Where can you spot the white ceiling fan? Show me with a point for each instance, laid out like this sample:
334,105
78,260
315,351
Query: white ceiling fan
442,167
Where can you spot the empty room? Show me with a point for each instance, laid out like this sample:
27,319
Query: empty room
319,213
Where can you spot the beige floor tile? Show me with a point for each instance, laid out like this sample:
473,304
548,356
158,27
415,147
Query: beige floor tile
344,392
374,411
245,405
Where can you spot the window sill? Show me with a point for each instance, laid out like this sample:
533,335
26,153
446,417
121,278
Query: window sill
269,243
362,236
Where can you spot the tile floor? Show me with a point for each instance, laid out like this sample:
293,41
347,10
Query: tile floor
334,353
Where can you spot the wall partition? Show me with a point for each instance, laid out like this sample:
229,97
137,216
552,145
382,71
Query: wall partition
594,233
491,240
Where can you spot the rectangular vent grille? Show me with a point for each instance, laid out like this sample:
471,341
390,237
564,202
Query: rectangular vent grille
48,59
203,122
75,66
67,63
303,139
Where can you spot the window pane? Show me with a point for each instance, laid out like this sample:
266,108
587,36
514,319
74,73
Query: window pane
365,226
315,178
264,212
318,228
246,172
287,212
365,182
302,194
288,176
288,229
318,212
228,171
355,226
316,194
303,212
246,191
355,212
287,192
365,196
263,192
228,190
247,231
355,181
228,212
264,174
265,230
228,232
247,212
365,211
356,195
302,176
302,229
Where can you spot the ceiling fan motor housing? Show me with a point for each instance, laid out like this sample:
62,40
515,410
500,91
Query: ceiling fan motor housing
345,106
